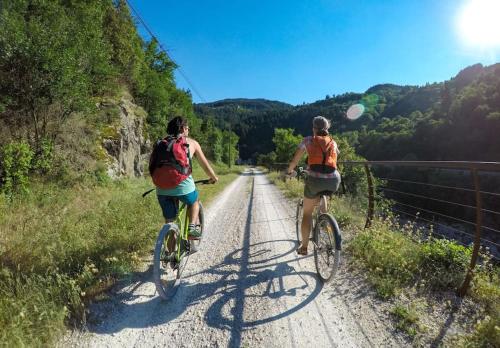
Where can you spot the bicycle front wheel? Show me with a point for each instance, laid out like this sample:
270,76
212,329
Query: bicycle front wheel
327,246
167,270
298,219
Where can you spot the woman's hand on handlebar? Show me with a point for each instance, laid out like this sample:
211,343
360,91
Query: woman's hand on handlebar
214,179
291,174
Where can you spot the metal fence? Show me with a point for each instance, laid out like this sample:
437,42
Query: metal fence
460,200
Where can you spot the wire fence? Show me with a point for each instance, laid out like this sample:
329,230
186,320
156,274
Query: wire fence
448,199
455,200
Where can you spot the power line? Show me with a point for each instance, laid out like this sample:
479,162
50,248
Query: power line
165,51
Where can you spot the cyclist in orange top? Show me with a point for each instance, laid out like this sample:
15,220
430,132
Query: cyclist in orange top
322,173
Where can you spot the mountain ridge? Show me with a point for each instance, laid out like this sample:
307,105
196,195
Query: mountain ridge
453,107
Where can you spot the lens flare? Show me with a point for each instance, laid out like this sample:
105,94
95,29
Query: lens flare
355,111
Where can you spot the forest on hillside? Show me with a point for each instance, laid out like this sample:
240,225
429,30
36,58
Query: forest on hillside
60,61
458,119
81,93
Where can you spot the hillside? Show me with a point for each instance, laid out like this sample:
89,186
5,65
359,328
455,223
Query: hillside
396,123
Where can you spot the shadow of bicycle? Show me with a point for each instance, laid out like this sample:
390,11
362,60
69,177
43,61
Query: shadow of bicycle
261,273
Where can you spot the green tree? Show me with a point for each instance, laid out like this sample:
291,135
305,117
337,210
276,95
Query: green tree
128,56
286,143
229,147
53,59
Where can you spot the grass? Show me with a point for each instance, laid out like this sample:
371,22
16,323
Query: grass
61,247
397,258
486,334
406,319
389,258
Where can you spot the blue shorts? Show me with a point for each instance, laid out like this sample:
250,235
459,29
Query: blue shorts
169,204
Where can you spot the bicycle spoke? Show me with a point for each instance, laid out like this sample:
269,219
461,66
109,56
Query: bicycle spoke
324,252
166,265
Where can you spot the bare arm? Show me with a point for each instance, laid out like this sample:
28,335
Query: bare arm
202,160
295,160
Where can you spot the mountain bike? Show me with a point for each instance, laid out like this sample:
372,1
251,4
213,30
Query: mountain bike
326,236
168,265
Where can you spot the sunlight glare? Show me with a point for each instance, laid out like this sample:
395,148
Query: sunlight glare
478,23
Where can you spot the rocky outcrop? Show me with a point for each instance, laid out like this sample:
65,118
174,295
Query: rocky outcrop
124,142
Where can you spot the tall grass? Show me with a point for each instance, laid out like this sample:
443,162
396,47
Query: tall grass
59,247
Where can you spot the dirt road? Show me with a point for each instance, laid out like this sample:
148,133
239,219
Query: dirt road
245,287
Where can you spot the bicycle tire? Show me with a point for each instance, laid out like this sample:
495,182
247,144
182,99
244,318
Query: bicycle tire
166,278
195,243
327,247
298,219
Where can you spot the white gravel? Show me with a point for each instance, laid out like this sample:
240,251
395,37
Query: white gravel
245,287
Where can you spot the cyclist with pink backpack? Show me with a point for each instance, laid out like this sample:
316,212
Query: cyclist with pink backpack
170,166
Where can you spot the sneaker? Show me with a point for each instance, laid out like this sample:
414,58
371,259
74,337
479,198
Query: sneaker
194,231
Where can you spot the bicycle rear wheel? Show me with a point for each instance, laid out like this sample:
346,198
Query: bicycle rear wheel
298,219
167,273
195,243
327,246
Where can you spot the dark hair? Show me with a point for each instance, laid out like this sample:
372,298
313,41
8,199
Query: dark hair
321,132
175,125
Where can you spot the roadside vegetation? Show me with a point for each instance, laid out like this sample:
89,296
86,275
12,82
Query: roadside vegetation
61,247
414,272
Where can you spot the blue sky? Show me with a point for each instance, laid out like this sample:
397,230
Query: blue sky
301,50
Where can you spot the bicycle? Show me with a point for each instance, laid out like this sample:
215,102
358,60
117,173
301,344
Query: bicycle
326,235
169,265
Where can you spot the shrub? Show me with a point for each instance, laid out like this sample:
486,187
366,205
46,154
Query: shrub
444,263
407,318
16,164
44,156
486,286
391,257
486,334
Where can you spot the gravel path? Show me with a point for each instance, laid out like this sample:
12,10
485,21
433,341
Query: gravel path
245,287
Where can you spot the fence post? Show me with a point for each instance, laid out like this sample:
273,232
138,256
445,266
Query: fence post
371,194
477,237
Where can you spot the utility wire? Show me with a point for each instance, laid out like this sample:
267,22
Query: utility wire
165,51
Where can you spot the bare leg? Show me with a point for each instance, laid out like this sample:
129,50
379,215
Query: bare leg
171,239
309,205
193,211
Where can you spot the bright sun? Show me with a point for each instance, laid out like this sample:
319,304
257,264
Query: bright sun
479,23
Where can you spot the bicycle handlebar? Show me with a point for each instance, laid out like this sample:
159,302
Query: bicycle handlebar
203,182
299,173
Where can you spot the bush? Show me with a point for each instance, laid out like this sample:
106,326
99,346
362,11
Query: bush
16,164
396,259
486,286
407,318
44,156
392,258
486,334
444,263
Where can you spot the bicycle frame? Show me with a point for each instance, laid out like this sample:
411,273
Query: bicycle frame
182,221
